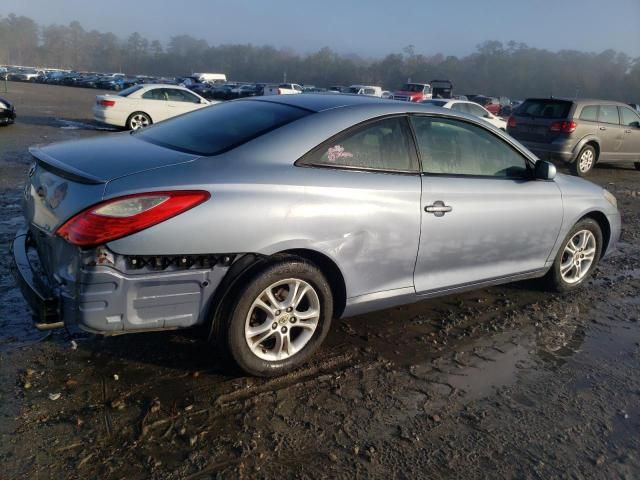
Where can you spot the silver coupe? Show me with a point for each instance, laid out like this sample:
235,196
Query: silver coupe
263,219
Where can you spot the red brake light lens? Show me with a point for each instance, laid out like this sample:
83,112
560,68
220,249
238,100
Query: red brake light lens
122,216
107,103
511,123
563,126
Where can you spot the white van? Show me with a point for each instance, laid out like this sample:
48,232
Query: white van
370,90
210,77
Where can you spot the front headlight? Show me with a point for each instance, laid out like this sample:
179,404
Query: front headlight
610,198
4,106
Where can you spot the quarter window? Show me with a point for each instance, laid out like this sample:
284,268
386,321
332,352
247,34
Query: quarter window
477,110
629,117
155,94
460,107
608,114
589,113
381,145
453,147
176,95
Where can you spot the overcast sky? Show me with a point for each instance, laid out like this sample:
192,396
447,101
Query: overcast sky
369,28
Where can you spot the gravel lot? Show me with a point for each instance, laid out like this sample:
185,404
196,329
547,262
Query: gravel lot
507,382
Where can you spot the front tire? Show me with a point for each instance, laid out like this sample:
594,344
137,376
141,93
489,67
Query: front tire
279,319
138,120
637,165
585,161
577,257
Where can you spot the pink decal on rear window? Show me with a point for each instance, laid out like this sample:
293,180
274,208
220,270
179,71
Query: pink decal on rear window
334,153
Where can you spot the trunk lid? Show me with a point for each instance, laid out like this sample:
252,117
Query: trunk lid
71,176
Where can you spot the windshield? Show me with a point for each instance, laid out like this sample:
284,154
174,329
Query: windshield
545,108
413,87
222,127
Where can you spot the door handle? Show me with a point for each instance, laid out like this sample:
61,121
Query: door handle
438,208
627,131
603,128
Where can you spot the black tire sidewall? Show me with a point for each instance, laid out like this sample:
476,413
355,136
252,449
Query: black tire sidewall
586,224
236,344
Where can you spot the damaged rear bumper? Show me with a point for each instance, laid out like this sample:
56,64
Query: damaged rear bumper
43,303
112,299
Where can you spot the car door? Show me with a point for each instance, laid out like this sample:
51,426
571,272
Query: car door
483,216
181,101
366,195
631,124
611,133
155,103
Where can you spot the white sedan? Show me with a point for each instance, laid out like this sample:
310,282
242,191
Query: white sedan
469,107
141,105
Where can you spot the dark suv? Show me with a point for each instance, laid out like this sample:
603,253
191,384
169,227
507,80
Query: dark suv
581,132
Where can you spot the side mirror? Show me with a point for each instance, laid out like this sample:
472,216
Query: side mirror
545,170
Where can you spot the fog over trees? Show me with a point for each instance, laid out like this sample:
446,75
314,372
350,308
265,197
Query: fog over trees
512,69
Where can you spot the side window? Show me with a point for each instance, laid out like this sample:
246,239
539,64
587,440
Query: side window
381,145
477,110
629,117
609,114
453,147
589,113
155,94
460,107
176,95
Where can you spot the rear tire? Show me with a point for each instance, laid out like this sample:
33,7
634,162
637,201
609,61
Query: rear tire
138,120
577,257
637,165
585,161
266,329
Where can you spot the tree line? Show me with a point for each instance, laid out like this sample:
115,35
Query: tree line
512,69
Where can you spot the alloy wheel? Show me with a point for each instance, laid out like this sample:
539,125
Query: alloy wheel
586,160
139,121
282,319
578,256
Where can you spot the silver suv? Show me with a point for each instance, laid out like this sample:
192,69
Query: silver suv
580,132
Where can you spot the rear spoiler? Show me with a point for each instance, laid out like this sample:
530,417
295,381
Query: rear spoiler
62,169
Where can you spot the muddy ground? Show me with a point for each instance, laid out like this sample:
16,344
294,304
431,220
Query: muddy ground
507,382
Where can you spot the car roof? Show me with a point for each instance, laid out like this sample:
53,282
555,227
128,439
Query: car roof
579,100
162,85
318,102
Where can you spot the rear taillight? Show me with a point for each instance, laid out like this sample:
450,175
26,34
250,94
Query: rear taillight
511,123
106,103
122,216
563,126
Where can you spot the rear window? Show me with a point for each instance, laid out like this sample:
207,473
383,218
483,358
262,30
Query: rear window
545,108
435,103
128,91
222,127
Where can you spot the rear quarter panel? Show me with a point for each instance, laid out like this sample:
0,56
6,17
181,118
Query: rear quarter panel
367,223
